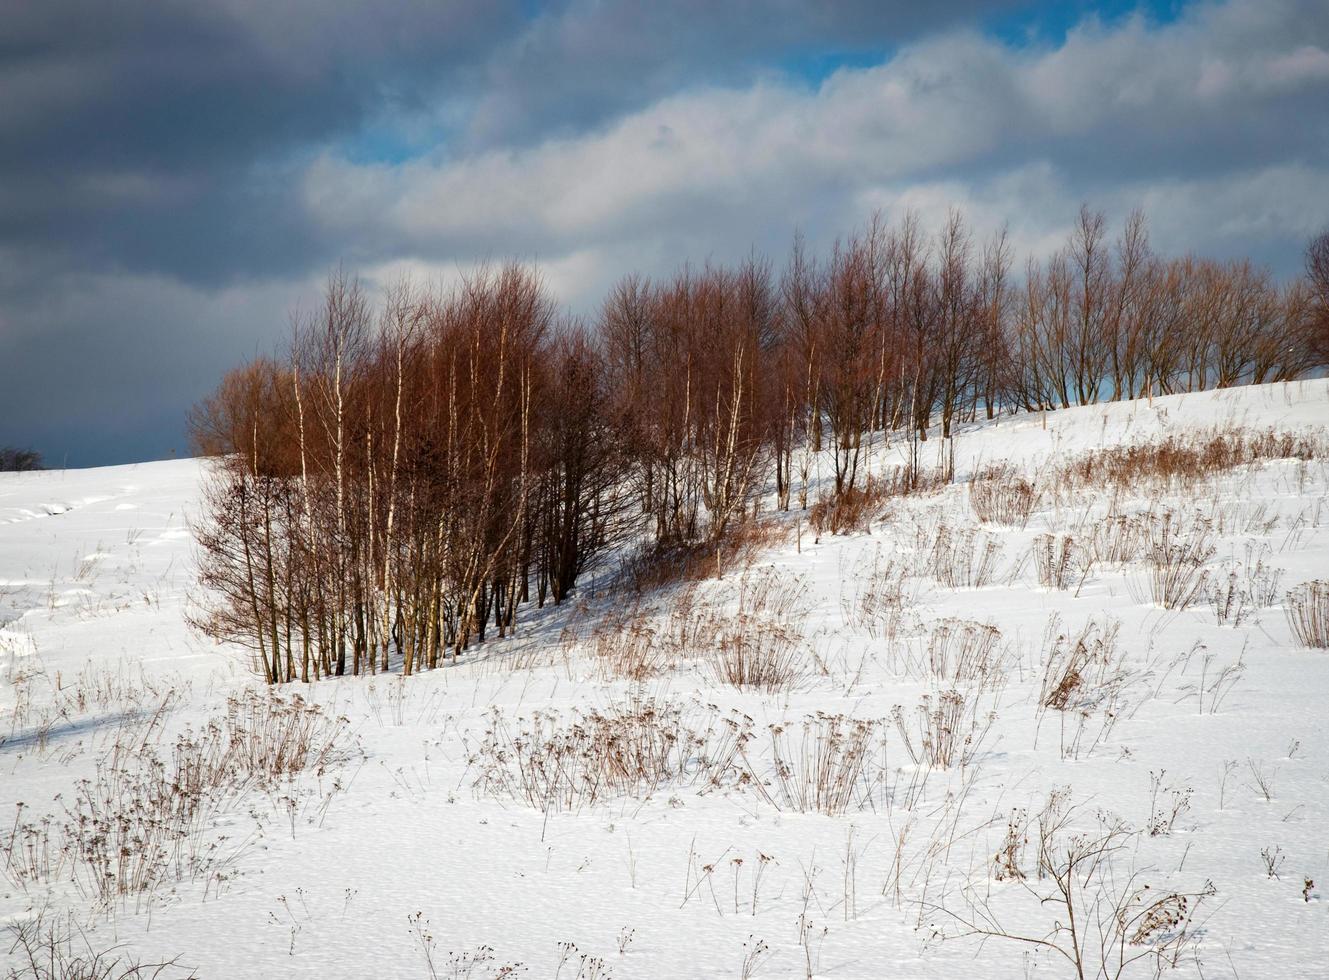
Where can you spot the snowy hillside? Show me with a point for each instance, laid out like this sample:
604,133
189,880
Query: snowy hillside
928,706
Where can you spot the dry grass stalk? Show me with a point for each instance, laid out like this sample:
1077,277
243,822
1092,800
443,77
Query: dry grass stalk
146,818
1240,589
44,949
1080,671
878,596
1059,560
949,729
1001,496
959,651
1249,518
1181,462
1118,539
759,645
828,764
958,558
1006,863
1079,908
1308,614
754,654
1177,555
631,749
851,511
624,646
741,544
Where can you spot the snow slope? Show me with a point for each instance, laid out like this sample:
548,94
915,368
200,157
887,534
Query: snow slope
95,589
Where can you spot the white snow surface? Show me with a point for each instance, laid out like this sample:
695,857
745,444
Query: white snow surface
97,580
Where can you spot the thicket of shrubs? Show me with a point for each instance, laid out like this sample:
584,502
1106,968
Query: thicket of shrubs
404,479
16,460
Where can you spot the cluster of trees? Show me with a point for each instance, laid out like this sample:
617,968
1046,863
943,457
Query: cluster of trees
404,480
1094,323
16,460
399,484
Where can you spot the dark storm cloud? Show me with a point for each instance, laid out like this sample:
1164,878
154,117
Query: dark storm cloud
144,84
162,136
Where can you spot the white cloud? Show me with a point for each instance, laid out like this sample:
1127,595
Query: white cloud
1306,64
1186,119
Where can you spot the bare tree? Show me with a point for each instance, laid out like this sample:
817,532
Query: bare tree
1317,273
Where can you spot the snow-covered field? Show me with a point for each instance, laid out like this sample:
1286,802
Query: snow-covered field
407,854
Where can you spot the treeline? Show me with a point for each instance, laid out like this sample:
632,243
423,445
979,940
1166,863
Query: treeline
16,460
405,479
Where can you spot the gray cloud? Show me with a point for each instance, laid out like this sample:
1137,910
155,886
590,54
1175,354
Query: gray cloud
174,177
99,368
162,137
166,137
589,60
1225,95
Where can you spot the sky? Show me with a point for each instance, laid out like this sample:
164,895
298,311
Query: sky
178,178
